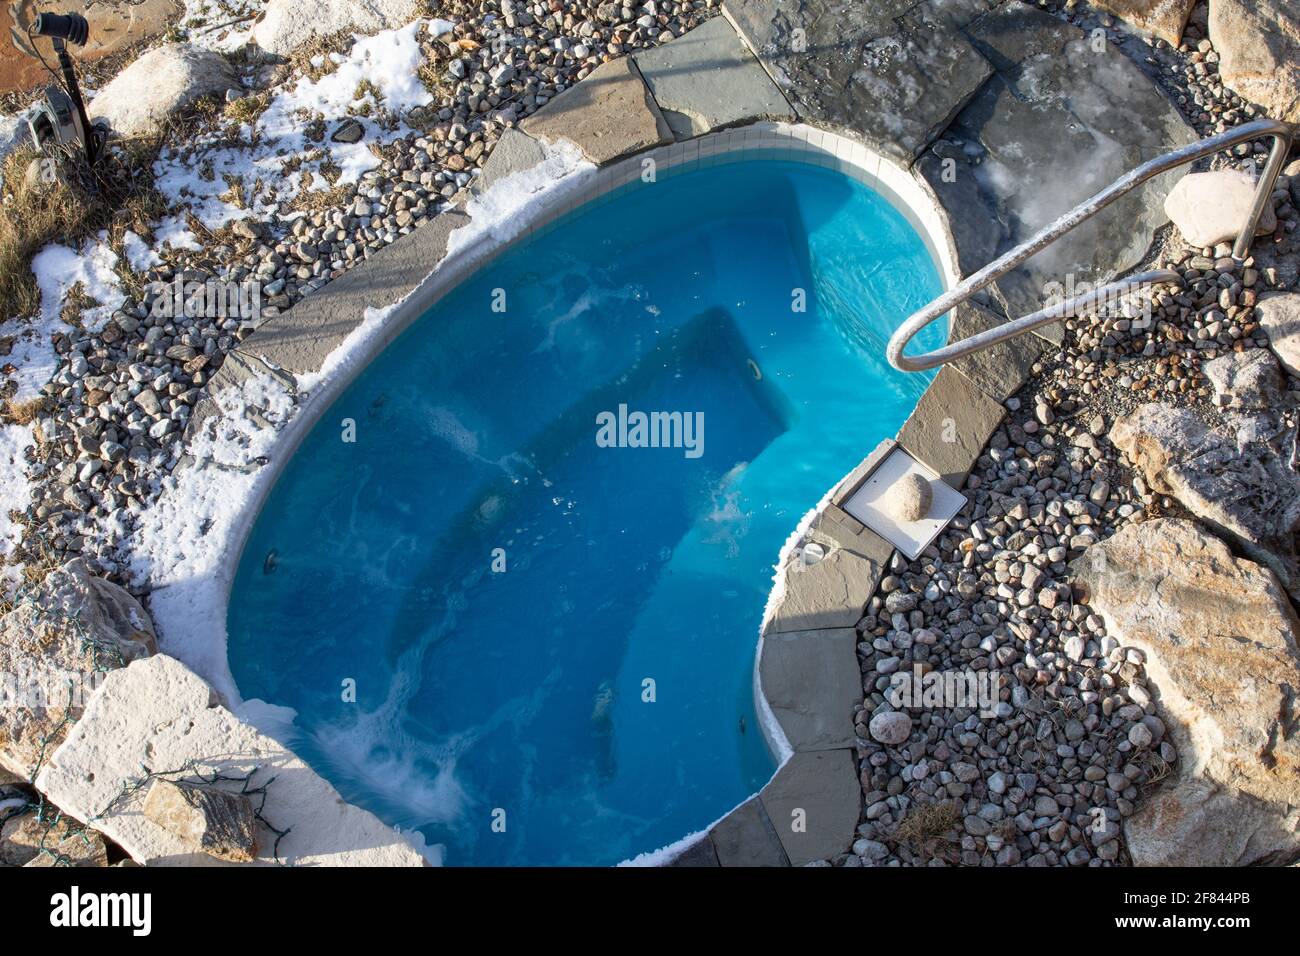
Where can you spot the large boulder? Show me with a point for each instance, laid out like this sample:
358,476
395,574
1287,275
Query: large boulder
1236,479
1258,42
162,84
1279,317
1161,18
1209,208
55,647
1219,637
159,716
287,25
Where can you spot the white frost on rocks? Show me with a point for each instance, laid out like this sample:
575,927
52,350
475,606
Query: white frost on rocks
275,148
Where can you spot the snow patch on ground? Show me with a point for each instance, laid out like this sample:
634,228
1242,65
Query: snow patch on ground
276,149
15,495
59,268
180,542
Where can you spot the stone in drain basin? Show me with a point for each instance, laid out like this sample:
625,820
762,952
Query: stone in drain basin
908,499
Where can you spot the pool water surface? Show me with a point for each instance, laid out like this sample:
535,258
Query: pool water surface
501,622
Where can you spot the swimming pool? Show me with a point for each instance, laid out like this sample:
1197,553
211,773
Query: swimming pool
501,616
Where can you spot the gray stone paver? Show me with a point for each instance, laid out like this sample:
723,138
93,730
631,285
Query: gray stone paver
811,680
830,593
301,339
813,802
514,152
746,837
950,425
1060,121
895,72
707,79
608,115
1000,371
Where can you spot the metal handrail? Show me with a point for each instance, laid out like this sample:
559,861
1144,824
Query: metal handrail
1281,134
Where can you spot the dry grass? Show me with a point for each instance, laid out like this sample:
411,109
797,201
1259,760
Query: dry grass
925,824
300,60
248,108
23,413
32,214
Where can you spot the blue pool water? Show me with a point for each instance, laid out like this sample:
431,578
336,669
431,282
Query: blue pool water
594,696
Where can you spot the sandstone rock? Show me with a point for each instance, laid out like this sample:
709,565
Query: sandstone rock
1242,486
216,822
55,647
1258,42
1219,637
1162,18
157,713
1209,208
1279,317
287,25
608,115
1248,380
160,85
52,840
114,27
908,499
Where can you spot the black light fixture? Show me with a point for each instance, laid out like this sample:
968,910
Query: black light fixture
62,116
67,26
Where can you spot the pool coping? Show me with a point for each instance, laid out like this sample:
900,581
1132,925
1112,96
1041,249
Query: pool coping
807,683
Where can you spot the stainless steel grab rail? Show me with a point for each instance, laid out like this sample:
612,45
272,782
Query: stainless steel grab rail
1281,134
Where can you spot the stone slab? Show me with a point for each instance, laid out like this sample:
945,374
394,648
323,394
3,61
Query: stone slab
157,714
950,425
814,802
746,837
829,593
699,853
1059,122
300,339
998,372
707,79
811,681
608,115
894,72
513,153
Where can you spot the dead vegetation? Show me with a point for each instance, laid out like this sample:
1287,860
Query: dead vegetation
927,824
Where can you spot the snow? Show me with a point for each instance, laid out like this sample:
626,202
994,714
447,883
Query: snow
275,148
15,495
180,542
506,209
59,268
139,254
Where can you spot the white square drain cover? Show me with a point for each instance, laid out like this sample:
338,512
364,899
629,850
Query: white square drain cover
910,537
